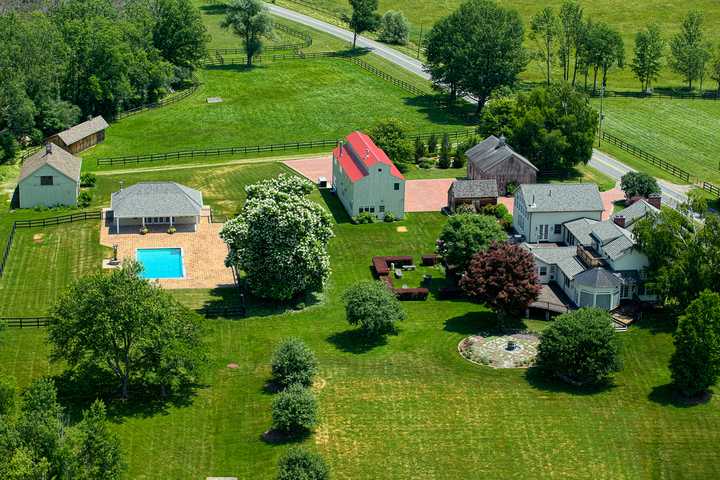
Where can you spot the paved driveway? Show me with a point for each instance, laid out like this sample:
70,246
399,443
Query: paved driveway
312,168
426,195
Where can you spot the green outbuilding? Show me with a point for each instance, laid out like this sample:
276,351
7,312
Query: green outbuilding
49,178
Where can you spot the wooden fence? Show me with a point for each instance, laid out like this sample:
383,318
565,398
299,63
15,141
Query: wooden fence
712,188
43,222
25,322
647,156
275,147
666,95
304,36
183,94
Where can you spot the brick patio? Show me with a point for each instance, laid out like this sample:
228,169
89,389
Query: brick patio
203,251
312,168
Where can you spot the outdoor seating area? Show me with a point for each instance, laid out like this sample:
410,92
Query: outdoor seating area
398,264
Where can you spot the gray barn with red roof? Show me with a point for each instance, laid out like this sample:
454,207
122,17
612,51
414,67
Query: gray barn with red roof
366,180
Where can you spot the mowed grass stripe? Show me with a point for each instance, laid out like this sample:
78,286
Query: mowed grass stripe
685,133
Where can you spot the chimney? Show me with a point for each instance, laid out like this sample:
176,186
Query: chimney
48,148
501,141
655,199
619,221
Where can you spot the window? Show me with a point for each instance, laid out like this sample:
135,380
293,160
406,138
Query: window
543,271
558,229
396,186
382,208
46,180
372,209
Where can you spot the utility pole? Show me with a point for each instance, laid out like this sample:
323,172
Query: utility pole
420,41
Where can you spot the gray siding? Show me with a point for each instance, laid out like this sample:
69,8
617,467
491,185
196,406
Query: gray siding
63,191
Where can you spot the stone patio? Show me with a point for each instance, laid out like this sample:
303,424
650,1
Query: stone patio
203,251
492,351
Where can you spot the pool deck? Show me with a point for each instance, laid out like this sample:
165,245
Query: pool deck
203,252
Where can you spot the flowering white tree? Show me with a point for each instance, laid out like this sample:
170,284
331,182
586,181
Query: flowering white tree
280,239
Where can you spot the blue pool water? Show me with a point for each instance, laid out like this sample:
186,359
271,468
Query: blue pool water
161,262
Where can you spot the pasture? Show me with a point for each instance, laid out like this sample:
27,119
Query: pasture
626,17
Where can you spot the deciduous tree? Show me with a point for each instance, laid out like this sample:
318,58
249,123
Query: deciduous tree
250,20
280,240
689,48
294,410
394,28
364,17
504,278
605,51
639,184
580,347
570,38
544,29
391,136
98,452
122,324
179,32
464,235
299,463
373,307
444,60
647,62
293,362
695,364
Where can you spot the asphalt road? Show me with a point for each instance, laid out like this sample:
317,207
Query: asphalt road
672,194
382,50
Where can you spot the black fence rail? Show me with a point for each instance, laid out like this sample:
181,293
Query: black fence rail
712,188
647,156
275,147
43,222
58,220
181,95
25,322
706,95
387,77
6,252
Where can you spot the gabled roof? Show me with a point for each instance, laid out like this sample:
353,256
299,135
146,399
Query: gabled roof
54,156
491,152
561,197
564,257
358,154
82,130
581,229
156,199
607,231
618,247
571,267
474,188
635,212
598,278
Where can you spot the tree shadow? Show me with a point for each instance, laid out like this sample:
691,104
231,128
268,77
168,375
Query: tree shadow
354,341
273,437
657,322
235,67
431,105
79,388
472,323
666,395
336,208
540,381
214,9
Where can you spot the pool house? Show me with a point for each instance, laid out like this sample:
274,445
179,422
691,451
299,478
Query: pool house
147,204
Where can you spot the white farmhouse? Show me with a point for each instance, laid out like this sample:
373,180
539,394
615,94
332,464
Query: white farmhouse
594,263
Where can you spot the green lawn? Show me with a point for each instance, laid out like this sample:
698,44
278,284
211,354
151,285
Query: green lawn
410,408
626,17
43,261
683,132
273,103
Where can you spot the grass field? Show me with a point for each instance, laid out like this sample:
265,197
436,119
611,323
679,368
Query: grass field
274,103
409,408
626,17
683,132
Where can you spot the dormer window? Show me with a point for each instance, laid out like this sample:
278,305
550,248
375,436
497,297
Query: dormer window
46,180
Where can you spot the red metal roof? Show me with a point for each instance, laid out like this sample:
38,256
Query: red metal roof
358,154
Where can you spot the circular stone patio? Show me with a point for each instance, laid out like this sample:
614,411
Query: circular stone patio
492,350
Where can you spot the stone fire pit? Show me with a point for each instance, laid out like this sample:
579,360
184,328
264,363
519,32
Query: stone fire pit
516,350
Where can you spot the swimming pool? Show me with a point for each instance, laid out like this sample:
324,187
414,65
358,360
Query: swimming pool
161,262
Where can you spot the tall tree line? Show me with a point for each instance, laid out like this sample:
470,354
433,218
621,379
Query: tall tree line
65,61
